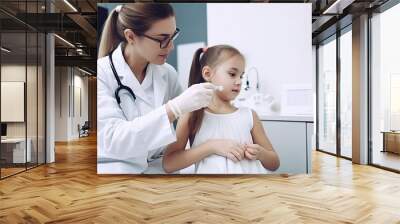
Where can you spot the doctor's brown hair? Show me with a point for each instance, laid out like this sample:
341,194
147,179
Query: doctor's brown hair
212,57
139,17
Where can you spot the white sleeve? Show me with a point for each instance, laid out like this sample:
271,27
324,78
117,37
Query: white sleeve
176,89
119,138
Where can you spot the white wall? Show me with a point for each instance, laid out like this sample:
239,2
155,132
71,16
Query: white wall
14,73
61,103
81,83
68,82
314,86
276,38
13,101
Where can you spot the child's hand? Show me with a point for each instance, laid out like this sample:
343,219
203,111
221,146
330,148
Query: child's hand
252,151
228,148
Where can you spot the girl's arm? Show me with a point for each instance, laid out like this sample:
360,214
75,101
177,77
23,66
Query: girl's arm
262,148
176,157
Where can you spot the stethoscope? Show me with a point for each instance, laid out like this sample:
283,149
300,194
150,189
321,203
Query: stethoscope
116,93
120,85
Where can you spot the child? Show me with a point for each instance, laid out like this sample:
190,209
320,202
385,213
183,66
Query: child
224,139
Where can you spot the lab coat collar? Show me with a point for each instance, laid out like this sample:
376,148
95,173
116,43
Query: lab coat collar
129,79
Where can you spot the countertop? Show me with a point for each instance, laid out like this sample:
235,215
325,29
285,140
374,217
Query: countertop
292,118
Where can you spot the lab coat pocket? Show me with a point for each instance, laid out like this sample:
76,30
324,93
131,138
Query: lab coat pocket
128,106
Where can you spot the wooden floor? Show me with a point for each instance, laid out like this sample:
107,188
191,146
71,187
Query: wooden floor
70,191
5,172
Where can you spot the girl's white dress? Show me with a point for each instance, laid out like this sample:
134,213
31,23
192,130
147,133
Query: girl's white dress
236,126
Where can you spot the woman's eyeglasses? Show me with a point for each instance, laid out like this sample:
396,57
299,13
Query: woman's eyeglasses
164,42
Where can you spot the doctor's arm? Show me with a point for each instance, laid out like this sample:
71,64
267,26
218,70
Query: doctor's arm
176,90
262,148
120,138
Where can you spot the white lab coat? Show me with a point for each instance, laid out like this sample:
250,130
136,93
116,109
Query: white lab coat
126,140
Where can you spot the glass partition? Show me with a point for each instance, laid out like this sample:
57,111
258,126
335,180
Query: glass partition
385,89
346,93
327,96
22,89
13,103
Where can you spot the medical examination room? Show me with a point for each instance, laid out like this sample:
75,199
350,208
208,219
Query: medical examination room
276,81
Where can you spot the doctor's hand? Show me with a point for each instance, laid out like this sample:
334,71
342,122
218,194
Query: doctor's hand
194,98
228,148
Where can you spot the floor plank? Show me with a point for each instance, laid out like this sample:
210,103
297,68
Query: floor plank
70,191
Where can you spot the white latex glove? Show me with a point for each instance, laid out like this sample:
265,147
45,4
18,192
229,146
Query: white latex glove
195,97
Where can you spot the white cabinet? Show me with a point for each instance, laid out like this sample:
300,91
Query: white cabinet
292,141
15,148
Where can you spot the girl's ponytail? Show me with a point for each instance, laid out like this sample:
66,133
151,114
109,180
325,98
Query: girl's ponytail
195,77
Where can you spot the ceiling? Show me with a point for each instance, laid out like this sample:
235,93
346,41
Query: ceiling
76,25
76,20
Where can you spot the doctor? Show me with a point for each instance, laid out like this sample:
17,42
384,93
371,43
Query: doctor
138,93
